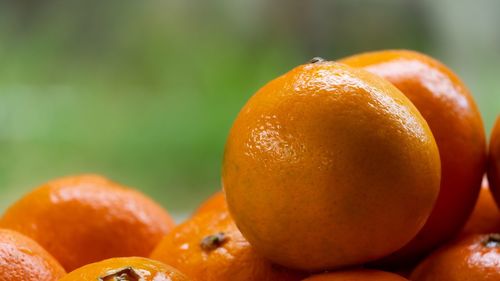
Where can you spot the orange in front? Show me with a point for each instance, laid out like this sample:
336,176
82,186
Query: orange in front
455,121
328,166
357,275
88,218
494,161
23,259
126,269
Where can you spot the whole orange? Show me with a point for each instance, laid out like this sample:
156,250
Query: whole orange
328,166
23,259
83,219
486,216
215,202
474,258
455,121
494,161
126,269
209,247
357,275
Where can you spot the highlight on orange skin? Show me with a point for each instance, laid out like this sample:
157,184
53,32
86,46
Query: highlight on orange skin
357,275
475,257
88,218
216,202
494,161
323,155
23,259
455,121
486,215
126,269
209,247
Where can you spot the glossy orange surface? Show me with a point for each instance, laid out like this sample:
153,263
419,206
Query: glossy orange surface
209,247
216,202
449,109
126,269
473,258
23,259
328,166
494,161
88,218
486,215
357,275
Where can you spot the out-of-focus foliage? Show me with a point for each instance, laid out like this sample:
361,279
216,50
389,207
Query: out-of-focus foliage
145,91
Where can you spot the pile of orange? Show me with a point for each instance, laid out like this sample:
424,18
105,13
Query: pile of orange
371,168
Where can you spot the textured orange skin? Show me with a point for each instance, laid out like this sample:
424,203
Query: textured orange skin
486,216
357,275
494,161
155,271
456,124
467,259
216,202
88,218
234,260
329,166
23,259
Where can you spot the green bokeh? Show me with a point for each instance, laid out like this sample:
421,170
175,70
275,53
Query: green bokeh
145,91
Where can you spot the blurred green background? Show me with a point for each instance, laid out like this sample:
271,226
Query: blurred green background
145,92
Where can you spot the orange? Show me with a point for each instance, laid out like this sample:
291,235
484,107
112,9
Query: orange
83,219
215,202
475,258
455,121
486,216
126,269
357,275
23,259
209,247
328,166
494,161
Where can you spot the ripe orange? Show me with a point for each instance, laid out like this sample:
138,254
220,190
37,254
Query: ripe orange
494,161
328,166
209,247
475,258
486,216
23,259
216,202
357,275
88,218
455,121
126,269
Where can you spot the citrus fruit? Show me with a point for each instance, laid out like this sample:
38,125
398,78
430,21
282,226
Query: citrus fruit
329,166
456,124
357,275
474,258
209,247
214,203
88,218
494,161
486,216
126,269
23,259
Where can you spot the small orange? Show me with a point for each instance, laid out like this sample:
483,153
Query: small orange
475,258
23,259
329,166
209,247
455,121
83,219
216,202
486,216
357,275
494,161
126,269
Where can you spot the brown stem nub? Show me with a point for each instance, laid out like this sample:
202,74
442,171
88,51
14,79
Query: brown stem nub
317,59
214,241
124,274
493,241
